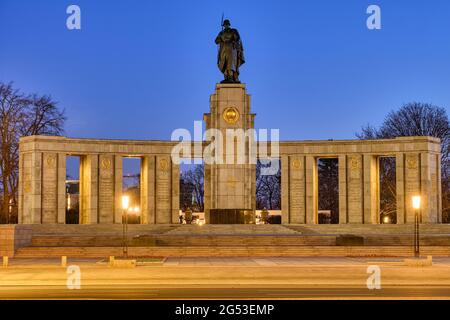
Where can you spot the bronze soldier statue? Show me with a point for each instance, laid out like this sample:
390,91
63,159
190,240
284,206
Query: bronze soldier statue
231,53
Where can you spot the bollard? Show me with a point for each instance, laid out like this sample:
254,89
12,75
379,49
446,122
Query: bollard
64,261
5,261
111,261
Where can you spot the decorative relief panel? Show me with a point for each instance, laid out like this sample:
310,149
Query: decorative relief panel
355,167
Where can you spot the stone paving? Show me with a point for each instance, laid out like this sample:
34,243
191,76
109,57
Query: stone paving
230,261
283,276
266,261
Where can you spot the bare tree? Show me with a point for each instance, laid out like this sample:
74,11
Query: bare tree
328,187
388,189
417,119
186,192
21,115
193,182
268,189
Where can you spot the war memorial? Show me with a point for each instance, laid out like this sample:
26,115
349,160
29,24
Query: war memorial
229,189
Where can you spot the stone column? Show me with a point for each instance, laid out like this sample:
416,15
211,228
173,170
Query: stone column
343,216
148,190
20,190
207,192
88,189
285,190
106,188
163,193
175,193
439,187
49,188
297,190
311,190
62,198
355,195
371,194
118,173
429,190
230,185
400,186
412,183
31,188
252,184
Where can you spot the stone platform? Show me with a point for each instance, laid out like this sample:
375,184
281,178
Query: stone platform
222,240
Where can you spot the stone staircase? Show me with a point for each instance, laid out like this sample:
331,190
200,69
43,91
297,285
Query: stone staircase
233,229
242,251
231,240
99,229
369,229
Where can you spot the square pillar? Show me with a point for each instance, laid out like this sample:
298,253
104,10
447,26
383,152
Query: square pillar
49,188
207,199
118,173
412,183
163,194
400,187
355,195
148,190
371,194
61,183
429,188
106,189
439,188
31,186
311,190
230,185
20,189
285,190
88,189
343,214
175,193
297,190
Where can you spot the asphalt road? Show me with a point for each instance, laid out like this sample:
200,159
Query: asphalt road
312,278
143,292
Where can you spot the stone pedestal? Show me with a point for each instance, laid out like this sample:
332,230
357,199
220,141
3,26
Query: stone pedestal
231,216
230,182
13,237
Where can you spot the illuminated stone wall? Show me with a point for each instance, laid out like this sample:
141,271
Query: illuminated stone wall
417,173
42,169
42,174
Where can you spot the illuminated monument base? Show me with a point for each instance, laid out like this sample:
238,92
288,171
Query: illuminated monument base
230,189
231,216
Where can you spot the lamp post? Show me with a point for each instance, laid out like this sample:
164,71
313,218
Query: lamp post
125,204
416,207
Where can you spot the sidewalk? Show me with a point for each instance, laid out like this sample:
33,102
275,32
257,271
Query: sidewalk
225,261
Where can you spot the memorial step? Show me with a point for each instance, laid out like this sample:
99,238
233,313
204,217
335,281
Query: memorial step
227,240
370,229
272,251
233,229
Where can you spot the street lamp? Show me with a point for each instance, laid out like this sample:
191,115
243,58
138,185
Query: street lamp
416,207
125,204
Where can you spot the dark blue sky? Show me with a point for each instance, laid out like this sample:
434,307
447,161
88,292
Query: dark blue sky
140,69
